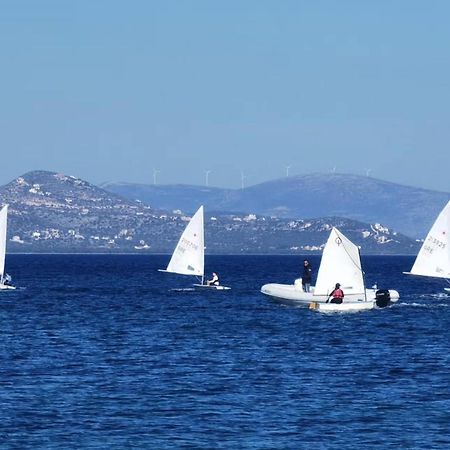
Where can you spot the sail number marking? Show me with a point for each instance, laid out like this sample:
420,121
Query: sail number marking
188,244
434,243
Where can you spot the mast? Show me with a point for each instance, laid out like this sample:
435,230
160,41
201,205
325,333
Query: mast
362,274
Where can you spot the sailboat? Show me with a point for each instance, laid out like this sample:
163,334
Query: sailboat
5,279
341,262
433,259
188,257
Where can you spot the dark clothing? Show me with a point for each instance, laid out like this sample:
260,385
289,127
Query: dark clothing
336,300
306,277
307,274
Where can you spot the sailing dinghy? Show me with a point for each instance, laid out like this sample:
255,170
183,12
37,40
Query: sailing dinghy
188,257
341,263
5,279
433,259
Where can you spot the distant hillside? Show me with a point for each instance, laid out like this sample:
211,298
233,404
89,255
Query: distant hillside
51,212
171,197
407,209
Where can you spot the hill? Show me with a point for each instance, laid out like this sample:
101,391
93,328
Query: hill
51,212
407,209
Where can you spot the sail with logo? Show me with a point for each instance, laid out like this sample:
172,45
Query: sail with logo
340,263
433,259
188,258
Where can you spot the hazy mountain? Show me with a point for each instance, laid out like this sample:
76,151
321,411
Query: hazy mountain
407,209
185,197
51,212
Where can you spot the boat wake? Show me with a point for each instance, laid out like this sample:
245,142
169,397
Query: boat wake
182,289
439,295
424,305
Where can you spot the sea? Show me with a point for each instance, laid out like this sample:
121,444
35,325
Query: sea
105,352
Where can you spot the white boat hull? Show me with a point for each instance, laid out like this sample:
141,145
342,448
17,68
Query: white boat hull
6,287
342,307
293,294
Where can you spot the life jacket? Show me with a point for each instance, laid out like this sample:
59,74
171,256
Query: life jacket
338,293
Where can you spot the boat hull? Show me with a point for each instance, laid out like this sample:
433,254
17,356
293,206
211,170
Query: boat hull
342,307
293,294
4,287
217,288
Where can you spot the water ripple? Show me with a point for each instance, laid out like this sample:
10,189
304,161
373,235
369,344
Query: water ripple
101,352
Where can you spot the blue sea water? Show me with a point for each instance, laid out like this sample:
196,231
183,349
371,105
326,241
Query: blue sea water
99,352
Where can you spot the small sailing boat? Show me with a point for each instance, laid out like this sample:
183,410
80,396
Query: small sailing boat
341,263
433,259
188,257
5,279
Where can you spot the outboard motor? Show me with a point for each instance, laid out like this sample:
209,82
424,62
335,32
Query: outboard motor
382,298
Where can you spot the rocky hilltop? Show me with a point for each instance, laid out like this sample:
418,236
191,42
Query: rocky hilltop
406,209
51,212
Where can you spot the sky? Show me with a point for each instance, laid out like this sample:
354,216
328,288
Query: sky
148,90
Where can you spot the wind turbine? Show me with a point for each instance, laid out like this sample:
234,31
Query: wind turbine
243,177
155,172
207,172
287,170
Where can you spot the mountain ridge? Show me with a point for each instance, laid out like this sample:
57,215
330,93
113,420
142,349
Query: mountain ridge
407,209
51,212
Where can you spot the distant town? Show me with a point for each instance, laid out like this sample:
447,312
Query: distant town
51,212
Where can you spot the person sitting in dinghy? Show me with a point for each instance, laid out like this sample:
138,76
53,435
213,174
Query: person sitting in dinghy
7,281
337,295
214,281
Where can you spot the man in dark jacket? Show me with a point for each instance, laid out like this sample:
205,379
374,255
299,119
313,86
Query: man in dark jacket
307,275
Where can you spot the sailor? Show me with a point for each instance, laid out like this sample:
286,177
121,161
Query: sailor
337,295
306,277
214,281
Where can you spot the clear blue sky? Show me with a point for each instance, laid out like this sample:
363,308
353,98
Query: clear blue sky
111,90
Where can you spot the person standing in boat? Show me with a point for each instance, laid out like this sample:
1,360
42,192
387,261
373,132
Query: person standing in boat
214,281
337,295
306,276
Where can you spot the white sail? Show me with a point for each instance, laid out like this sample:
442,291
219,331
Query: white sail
433,259
3,220
340,263
189,255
